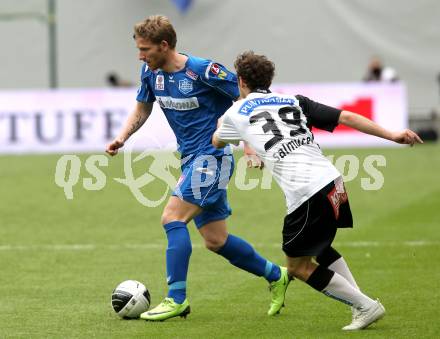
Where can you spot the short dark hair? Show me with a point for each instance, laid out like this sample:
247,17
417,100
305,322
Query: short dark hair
156,28
257,71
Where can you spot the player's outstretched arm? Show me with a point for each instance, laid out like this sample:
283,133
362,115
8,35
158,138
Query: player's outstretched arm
367,126
135,120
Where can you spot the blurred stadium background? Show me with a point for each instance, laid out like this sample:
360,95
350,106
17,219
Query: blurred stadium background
61,258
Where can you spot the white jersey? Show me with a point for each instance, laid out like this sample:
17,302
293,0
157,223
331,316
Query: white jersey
277,127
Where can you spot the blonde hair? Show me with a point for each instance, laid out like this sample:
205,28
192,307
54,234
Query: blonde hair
156,28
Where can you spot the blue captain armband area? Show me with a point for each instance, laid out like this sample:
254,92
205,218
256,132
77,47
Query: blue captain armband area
221,79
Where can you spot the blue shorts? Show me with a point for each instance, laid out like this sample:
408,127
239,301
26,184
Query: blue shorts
203,183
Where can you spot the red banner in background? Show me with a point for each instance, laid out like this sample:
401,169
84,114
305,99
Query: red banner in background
362,106
386,104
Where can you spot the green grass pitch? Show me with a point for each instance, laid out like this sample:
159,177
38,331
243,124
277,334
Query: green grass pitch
60,259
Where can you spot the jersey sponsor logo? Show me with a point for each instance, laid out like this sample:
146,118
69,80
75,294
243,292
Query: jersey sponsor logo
160,83
215,69
191,74
249,105
185,86
177,104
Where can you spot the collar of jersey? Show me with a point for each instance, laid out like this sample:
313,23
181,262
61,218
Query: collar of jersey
254,94
261,91
181,70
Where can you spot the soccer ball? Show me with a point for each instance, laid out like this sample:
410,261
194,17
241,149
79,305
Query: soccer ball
130,298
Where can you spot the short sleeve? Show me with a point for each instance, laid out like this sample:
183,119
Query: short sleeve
221,79
318,115
227,132
145,93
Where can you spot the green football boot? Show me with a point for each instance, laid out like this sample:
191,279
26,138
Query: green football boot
168,308
278,292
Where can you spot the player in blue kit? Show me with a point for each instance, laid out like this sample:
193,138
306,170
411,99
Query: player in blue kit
193,93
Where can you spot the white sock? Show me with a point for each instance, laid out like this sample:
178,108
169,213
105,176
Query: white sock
341,267
340,289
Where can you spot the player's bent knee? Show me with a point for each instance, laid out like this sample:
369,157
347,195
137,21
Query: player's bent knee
179,210
214,243
299,273
167,219
170,216
300,269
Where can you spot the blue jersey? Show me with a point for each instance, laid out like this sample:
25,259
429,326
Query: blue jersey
192,99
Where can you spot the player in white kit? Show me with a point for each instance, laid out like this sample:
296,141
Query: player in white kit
278,127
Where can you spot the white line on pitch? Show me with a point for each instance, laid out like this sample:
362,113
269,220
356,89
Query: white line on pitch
91,247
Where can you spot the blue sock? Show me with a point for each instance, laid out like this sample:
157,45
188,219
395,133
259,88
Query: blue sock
241,254
178,253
